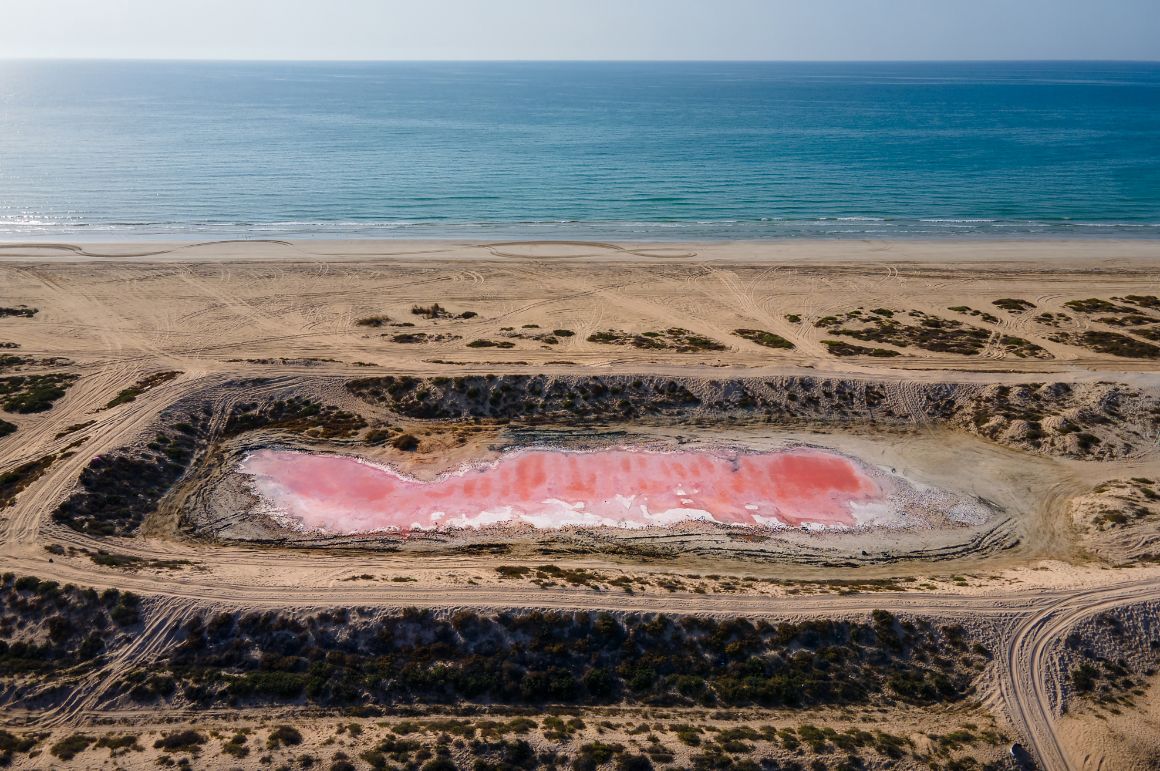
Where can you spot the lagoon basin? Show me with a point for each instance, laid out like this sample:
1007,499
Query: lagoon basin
552,489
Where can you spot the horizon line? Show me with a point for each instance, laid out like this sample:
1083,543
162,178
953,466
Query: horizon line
227,60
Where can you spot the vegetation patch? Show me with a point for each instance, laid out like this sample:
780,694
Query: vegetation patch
1119,518
285,362
297,415
1024,349
534,658
141,386
990,318
1096,305
930,333
74,428
503,344
186,740
1125,501
119,745
373,321
10,361
1117,345
1057,418
498,690
723,741
6,428
552,575
236,746
406,443
1106,662
130,562
532,398
13,481
117,491
33,393
61,628
547,338
283,736
69,747
1148,334
437,311
1052,319
413,338
1128,320
12,745
761,337
1149,301
13,363
1096,420
1013,305
842,348
22,311
673,339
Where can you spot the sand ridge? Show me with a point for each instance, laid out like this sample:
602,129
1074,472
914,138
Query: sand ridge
280,317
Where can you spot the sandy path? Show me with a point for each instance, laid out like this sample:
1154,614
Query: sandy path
123,311
1031,694
1028,694
883,253
219,305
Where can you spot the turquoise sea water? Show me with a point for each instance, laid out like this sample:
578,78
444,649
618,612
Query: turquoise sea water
122,150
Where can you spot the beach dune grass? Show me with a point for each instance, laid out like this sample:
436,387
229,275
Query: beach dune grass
674,339
761,337
842,348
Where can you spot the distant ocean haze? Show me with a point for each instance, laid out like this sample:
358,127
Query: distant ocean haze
661,151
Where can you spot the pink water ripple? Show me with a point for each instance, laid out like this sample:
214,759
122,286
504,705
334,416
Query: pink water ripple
553,489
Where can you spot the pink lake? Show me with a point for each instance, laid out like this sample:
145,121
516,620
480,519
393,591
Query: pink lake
553,489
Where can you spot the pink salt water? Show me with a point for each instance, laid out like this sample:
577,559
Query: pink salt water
554,489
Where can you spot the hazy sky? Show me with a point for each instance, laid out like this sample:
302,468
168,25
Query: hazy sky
582,29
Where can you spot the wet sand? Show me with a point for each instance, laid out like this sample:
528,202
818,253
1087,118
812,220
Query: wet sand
1106,251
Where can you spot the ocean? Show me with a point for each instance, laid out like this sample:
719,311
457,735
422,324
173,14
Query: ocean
648,151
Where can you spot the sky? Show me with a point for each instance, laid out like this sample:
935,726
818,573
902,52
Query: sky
582,29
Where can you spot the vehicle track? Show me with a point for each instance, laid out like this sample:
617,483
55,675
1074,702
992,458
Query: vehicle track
246,316
1039,621
162,631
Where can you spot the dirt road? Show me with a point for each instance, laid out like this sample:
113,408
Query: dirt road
1034,621
219,312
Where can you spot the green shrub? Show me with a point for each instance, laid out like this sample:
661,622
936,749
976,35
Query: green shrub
284,736
33,393
761,337
187,740
69,747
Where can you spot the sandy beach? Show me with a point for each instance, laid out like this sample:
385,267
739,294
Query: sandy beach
215,306
965,251
1031,364
580,386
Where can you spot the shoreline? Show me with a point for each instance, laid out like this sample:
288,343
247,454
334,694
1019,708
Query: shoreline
1098,251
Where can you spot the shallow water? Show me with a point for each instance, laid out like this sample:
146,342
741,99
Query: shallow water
553,489
575,150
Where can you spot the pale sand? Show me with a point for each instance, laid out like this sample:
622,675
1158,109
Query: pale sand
232,316
1097,251
1129,741
273,310
201,309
